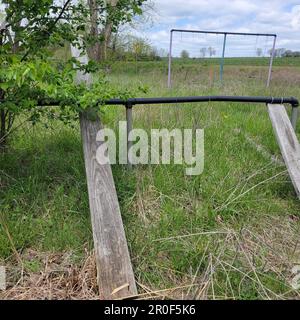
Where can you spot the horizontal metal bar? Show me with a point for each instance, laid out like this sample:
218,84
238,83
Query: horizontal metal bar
168,100
164,100
224,32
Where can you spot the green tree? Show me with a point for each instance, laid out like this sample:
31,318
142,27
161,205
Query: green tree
28,75
203,52
259,52
106,18
184,54
211,51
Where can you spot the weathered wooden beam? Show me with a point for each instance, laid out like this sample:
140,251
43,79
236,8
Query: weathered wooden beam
287,141
112,256
114,270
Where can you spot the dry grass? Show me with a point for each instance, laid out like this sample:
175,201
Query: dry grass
247,263
146,201
262,253
58,279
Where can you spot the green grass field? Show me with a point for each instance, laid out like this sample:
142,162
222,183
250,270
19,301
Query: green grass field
230,233
250,61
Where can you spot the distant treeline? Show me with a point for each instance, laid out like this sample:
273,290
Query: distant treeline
132,48
282,52
290,53
120,48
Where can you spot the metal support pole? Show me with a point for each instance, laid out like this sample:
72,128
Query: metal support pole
170,60
129,128
294,117
222,59
271,62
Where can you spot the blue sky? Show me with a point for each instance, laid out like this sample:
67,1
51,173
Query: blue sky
258,16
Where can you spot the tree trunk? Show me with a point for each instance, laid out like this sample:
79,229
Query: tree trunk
98,51
6,117
3,112
2,129
107,31
94,50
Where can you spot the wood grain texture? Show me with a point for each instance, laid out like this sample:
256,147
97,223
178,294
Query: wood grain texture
113,260
287,141
114,270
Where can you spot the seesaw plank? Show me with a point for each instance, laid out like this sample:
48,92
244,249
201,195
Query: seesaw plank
114,270
112,256
287,141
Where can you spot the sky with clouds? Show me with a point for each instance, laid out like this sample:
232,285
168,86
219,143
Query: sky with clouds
256,16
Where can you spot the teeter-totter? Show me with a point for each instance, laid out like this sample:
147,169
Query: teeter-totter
114,269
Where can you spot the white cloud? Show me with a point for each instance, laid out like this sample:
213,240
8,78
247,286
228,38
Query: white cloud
295,22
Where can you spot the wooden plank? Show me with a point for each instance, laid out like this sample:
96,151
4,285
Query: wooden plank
287,141
112,256
114,269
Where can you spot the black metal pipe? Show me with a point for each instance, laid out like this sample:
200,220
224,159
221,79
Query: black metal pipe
164,100
168,100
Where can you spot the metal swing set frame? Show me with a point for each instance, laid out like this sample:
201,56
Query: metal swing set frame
225,34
